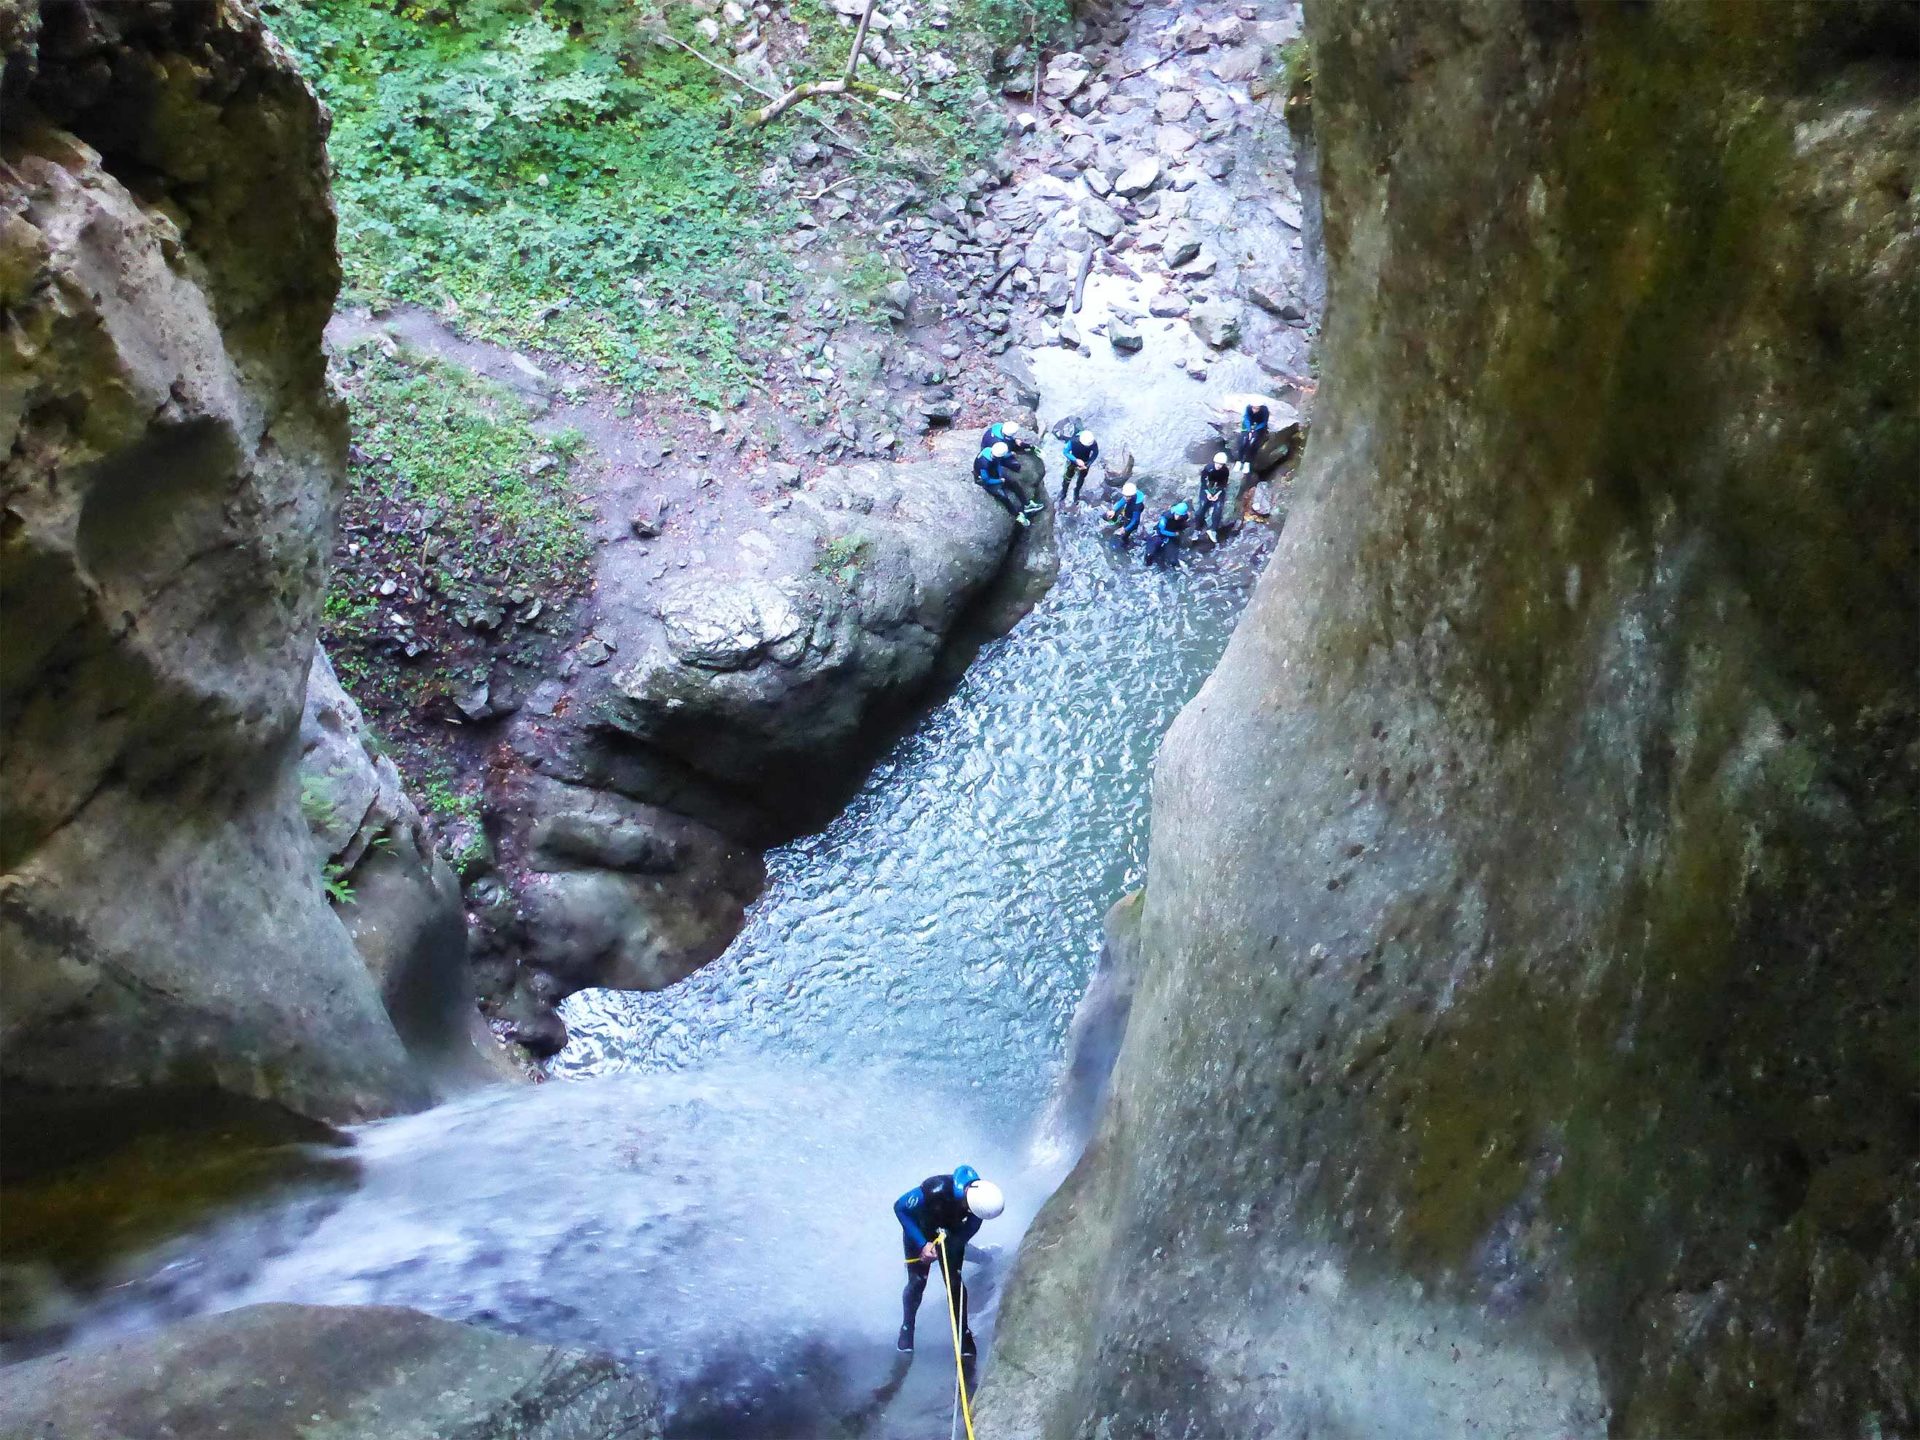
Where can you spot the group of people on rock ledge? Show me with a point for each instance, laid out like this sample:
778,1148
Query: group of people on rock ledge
997,469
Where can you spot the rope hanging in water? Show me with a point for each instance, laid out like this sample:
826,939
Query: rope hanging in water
954,1301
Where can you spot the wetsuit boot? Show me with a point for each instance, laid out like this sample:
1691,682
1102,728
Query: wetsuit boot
905,1343
967,1350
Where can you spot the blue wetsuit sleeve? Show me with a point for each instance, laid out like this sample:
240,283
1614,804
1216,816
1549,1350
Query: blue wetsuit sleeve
904,1209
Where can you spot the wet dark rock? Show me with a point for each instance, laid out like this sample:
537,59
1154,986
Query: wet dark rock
1123,337
1526,1009
361,1372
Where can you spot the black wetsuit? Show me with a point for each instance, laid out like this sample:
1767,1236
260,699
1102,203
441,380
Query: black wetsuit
1213,496
1079,459
935,1204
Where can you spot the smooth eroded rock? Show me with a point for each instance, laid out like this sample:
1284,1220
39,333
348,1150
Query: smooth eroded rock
326,1372
1524,1036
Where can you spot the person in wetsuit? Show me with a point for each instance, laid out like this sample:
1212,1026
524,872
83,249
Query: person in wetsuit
1213,493
1126,512
990,469
956,1204
1081,451
1253,429
1167,532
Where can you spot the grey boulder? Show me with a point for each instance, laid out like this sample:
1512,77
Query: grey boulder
1217,323
324,1372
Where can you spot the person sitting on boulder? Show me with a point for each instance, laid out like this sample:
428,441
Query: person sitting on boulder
990,468
1081,451
1167,531
1213,494
1253,429
954,1206
1126,512
1005,432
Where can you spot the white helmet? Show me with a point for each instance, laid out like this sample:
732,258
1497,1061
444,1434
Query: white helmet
1086,437
1129,489
1000,451
1219,457
1013,433
985,1200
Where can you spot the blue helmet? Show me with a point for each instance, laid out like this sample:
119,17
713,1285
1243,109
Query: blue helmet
963,1176
1181,508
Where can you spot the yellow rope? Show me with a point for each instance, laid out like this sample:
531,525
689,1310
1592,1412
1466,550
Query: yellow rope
953,1321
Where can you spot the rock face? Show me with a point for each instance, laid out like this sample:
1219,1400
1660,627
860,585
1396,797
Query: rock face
1525,1031
367,1372
743,704
398,899
167,497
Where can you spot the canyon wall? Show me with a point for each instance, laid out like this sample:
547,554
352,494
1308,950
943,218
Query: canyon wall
1525,1031
166,269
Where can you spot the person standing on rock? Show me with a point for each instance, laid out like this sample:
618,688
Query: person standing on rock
1253,429
1167,531
1213,494
990,468
1126,512
1081,450
955,1206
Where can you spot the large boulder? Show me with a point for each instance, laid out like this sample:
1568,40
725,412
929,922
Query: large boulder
774,682
745,703
1524,1042
167,266
321,1372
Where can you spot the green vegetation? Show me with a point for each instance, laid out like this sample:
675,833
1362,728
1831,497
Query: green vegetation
840,557
1295,65
317,799
550,179
493,497
333,878
557,176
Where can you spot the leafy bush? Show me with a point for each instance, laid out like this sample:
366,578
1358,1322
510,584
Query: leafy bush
585,193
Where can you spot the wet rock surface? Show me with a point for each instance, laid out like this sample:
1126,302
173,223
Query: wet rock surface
1520,1002
173,455
273,1372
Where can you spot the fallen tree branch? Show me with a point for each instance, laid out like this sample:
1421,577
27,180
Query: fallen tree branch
813,90
1151,64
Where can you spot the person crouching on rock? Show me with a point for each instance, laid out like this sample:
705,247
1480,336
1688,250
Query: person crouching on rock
1213,493
1167,531
1081,451
1126,512
1014,437
992,467
954,1206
